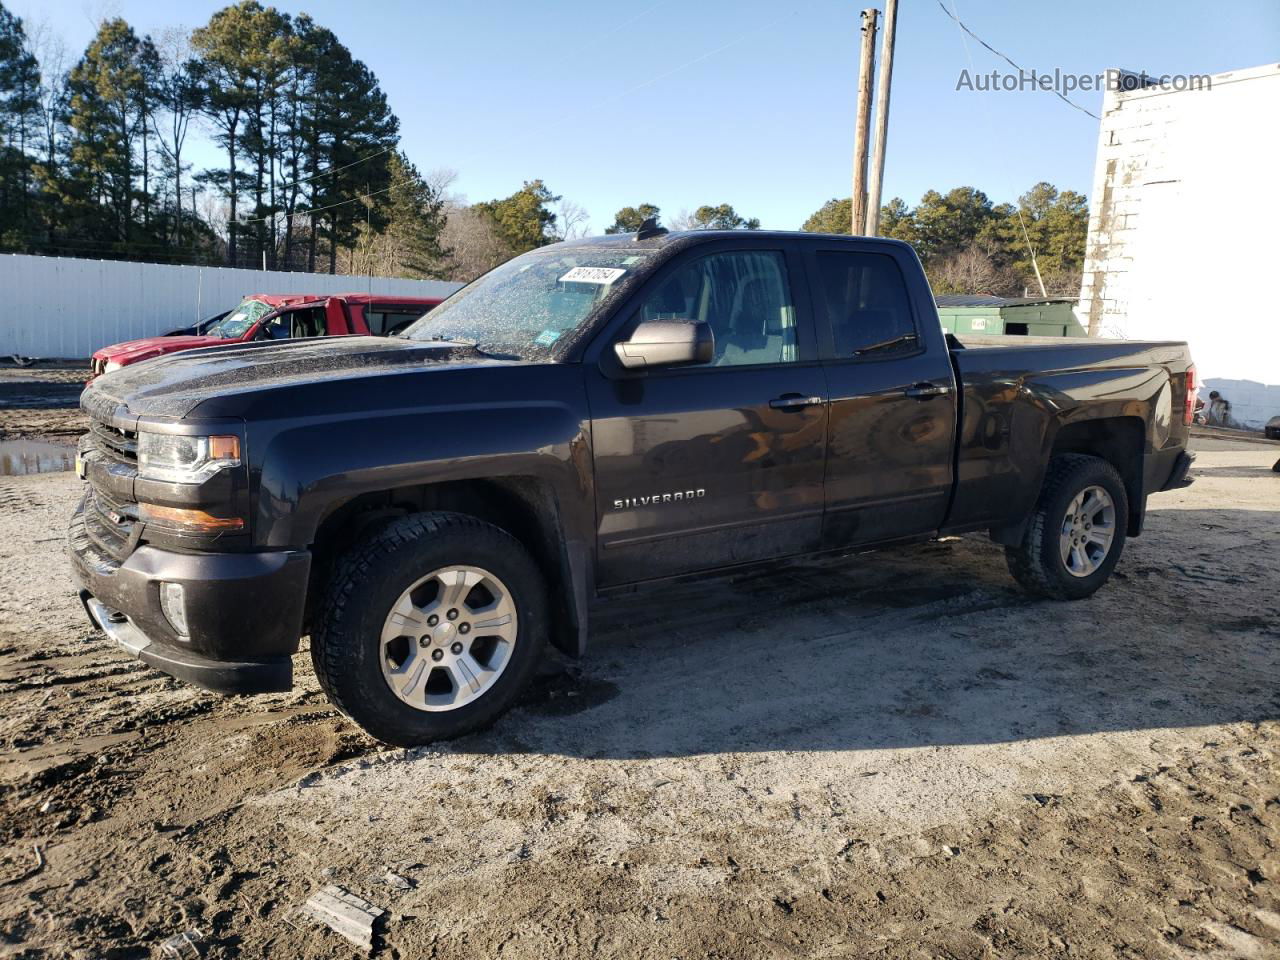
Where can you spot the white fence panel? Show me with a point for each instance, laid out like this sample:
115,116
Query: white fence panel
64,307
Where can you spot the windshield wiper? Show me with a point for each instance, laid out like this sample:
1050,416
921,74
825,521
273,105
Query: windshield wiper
474,345
886,344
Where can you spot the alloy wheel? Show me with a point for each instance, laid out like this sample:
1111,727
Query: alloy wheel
448,638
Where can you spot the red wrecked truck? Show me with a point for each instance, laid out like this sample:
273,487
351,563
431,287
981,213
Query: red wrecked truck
277,317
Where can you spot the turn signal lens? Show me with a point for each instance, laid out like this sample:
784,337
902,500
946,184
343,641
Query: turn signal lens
224,448
186,519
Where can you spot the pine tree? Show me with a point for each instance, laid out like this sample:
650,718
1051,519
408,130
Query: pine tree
19,109
523,220
630,219
107,91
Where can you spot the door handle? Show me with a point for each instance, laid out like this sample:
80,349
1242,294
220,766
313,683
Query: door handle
794,401
923,391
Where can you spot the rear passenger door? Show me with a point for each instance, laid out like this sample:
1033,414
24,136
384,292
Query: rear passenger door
710,465
893,404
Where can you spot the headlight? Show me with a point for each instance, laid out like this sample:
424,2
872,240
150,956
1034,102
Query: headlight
111,365
185,459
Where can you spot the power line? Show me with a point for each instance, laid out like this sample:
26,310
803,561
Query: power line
1061,96
311,210
969,56
346,166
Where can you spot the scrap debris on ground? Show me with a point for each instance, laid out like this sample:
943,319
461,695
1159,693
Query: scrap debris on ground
897,755
346,914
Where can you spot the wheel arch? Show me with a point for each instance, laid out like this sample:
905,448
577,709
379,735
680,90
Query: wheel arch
1120,441
527,507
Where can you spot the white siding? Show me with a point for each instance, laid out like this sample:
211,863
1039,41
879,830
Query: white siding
1183,240
63,307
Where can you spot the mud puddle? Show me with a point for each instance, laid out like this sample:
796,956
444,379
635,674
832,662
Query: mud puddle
22,456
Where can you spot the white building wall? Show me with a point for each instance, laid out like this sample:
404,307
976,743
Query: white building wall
1184,229
63,307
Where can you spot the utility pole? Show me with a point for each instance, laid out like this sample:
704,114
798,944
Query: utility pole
862,125
882,115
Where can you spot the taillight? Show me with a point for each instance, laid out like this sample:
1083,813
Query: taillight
1193,388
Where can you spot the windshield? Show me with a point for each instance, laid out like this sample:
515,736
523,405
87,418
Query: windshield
522,308
239,320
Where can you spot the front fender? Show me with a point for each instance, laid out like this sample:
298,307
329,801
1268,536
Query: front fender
306,469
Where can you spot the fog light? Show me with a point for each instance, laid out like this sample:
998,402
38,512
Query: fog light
173,603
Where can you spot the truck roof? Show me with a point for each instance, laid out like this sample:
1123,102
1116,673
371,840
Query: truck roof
689,236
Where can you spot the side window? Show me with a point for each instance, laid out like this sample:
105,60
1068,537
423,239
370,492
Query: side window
277,328
384,323
296,324
743,296
866,303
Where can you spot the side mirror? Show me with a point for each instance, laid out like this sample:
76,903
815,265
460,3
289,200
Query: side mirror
667,343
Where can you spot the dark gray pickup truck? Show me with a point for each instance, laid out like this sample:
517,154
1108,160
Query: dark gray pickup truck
433,509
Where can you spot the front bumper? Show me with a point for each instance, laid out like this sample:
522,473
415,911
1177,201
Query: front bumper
243,610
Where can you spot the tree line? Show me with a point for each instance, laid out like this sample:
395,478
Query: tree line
95,156
968,244
95,160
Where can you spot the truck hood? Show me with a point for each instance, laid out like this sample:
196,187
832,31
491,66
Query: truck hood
131,351
174,385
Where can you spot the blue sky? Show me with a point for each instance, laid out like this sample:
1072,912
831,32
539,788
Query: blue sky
750,102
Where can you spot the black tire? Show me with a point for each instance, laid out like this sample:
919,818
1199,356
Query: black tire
346,643
1037,562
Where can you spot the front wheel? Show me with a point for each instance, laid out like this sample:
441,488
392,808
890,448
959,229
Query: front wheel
1076,531
431,629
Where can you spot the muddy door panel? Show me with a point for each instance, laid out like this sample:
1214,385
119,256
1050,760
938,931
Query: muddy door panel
893,400
697,470
720,462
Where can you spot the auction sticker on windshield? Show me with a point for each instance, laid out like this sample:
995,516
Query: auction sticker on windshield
598,275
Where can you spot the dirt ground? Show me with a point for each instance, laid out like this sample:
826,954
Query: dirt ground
898,755
41,401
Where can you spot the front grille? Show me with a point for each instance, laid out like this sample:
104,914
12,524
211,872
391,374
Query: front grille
115,445
87,546
109,525
109,517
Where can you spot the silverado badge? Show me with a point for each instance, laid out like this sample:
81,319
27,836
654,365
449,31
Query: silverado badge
654,499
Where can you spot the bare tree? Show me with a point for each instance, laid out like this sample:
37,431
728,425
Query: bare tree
972,271
178,92
473,242
51,52
684,220
574,219
441,180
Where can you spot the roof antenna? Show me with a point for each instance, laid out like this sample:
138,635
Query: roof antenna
649,229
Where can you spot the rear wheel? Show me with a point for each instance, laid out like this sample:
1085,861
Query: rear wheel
431,629
1076,532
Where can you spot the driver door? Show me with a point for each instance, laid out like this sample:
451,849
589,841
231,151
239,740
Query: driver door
710,465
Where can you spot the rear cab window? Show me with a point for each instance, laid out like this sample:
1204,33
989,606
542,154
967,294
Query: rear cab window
384,321
864,298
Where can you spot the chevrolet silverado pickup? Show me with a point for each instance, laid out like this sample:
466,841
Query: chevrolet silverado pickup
597,415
